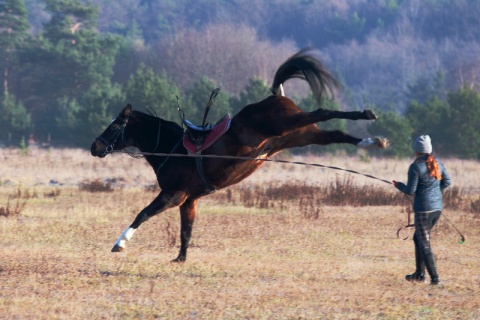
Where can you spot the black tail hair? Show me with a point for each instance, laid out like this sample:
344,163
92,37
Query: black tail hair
304,65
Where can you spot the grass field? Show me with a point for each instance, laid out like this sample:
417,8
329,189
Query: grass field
249,259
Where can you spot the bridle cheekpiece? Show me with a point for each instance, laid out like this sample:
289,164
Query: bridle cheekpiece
112,139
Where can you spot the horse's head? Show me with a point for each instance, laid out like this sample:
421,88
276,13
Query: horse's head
113,136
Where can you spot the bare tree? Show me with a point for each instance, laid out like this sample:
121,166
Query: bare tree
227,54
466,66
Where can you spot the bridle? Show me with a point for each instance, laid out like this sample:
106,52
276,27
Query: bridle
121,131
113,137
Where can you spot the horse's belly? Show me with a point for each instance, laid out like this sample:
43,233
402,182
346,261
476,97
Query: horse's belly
236,173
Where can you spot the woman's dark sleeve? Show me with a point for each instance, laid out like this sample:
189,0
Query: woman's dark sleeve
412,183
445,179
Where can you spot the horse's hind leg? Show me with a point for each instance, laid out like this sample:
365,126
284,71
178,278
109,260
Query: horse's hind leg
161,203
325,115
278,124
328,137
302,119
321,137
187,216
313,135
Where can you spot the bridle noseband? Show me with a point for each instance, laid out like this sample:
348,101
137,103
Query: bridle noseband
113,136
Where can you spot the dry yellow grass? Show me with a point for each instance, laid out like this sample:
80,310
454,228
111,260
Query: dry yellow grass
244,263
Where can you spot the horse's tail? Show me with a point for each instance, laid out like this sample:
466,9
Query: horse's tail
304,65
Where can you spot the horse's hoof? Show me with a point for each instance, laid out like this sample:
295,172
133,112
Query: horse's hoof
117,249
370,114
382,143
179,259
370,143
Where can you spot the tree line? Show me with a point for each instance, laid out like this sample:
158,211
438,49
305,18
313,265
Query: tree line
68,66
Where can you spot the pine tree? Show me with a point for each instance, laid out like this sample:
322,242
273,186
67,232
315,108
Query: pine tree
460,128
14,119
399,132
13,33
67,61
145,88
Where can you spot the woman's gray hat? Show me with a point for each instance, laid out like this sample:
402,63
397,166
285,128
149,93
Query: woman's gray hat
423,144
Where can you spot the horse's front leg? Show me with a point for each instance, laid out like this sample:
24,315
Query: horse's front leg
161,203
187,216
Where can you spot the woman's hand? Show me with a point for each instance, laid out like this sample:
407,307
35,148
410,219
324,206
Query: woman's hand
395,184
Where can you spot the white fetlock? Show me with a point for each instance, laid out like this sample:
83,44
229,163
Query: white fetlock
126,236
366,144
376,143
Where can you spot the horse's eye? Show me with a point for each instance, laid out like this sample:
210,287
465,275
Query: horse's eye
115,126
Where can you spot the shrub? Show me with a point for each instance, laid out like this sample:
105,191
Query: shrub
19,200
96,186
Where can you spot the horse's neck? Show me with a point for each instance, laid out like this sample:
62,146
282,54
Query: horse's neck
156,135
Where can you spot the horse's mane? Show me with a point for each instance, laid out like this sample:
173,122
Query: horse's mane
148,117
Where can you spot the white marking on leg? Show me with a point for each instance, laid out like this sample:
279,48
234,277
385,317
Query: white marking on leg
377,143
282,93
366,144
126,236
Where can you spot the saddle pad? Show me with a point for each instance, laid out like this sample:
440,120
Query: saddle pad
217,131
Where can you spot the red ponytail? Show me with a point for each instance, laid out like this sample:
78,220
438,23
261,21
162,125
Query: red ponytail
433,167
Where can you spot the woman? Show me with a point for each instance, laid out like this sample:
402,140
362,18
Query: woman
427,177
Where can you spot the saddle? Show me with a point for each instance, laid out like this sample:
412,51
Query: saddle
198,138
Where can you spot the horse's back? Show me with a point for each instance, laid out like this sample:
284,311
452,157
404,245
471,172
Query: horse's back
259,121
269,107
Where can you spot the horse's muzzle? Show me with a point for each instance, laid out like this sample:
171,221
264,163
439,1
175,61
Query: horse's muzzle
98,149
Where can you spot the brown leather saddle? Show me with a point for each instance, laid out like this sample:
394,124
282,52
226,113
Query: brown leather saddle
196,138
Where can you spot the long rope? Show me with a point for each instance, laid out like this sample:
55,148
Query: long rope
212,156
178,155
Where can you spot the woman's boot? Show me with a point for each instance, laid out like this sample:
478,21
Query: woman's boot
431,267
419,274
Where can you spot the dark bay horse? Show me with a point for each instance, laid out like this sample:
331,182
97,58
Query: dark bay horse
259,130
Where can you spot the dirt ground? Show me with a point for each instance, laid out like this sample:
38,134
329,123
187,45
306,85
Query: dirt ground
243,263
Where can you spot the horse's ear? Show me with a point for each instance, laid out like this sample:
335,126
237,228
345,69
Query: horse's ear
126,111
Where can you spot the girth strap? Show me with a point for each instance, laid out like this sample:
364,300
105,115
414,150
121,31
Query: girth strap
201,173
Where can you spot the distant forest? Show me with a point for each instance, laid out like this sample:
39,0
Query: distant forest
68,66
